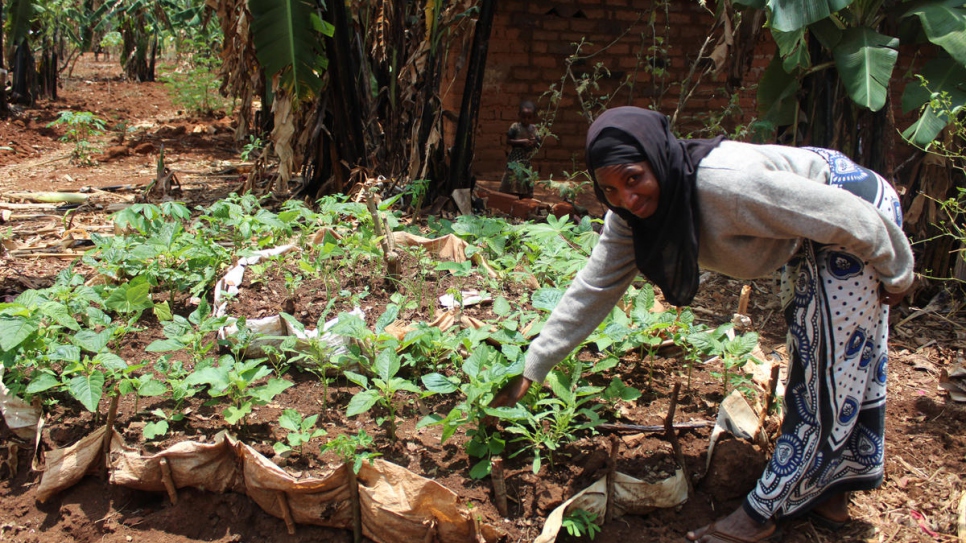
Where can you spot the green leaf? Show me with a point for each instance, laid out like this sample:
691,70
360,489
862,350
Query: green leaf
13,331
501,307
482,468
234,414
474,364
791,15
356,378
290,420
945,26
132,297
281,448
152,387
155,429
214,377
111,361
386,364
163,311
87,389
943,76
60,313
41,382
864,61
387,317
362,402
438,383
286,43
546,298
269,390
90,341
777,94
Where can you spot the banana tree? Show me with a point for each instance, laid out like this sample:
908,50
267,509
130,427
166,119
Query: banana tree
832,76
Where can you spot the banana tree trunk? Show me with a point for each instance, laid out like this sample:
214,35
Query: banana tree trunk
25,75
461,176
338,112
4,109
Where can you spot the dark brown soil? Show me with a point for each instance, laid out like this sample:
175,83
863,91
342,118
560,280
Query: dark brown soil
926,430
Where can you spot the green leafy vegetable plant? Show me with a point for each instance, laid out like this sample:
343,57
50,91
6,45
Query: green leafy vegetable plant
79,128
300,431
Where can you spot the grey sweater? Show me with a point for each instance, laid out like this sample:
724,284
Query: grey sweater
757,203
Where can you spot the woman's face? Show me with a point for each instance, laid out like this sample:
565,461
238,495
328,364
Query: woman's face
630,186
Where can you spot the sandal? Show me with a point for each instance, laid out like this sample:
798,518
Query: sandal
712,531
821,521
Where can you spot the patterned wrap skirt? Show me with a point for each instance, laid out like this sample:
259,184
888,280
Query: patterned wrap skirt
833,431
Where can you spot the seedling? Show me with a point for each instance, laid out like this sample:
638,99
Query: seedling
352,449
236,380
159,428
382,390
301,431
579,523
80,127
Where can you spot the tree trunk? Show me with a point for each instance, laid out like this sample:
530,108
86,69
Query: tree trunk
4,109
341,111
25,72
461,175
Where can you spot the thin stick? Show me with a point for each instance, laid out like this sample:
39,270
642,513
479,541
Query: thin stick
286,512
106,447
497,479
168,481
961,524
769,395
356,504
673,438
655,427
743,300
615,447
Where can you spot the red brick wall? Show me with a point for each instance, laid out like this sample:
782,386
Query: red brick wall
532,39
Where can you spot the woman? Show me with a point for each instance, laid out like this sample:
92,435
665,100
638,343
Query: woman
745,210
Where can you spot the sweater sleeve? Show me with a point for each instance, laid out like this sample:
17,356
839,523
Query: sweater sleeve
594,292
781,205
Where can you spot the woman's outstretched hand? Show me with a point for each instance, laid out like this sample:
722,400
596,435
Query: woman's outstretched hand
891,298
508,396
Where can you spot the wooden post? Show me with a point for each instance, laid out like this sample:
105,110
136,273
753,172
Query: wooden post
286,512
168,481
355,503
497,479
388,245
109,433
615,447
673,437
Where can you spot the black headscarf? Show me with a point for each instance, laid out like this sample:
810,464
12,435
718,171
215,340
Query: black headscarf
666,243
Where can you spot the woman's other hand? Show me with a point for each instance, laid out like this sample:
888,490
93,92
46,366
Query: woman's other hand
508,396
891,298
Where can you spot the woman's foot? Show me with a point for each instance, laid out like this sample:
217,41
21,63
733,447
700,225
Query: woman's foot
736,527
833,513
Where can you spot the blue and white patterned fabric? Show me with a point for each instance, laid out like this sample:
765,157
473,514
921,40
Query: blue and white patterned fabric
833,429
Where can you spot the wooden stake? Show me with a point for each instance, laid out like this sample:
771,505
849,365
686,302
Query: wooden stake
497,479
356,504
961,528
763,440
615,447
673,437
654,427
743,300
388,245
168,481
109,433
286,512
